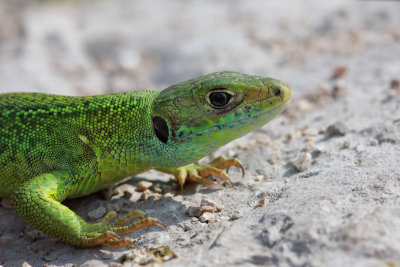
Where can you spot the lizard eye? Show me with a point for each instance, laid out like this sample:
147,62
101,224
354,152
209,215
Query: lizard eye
219,98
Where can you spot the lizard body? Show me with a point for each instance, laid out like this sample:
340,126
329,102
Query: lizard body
57,147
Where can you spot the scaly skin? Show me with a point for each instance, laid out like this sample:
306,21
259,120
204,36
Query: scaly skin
57,147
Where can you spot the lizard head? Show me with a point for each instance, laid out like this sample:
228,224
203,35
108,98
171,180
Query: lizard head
210,111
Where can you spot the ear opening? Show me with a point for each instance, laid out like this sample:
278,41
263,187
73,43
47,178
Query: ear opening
161,129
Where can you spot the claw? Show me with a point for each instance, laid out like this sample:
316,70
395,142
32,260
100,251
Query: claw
107,232
198,173
225,164
217,172
182,177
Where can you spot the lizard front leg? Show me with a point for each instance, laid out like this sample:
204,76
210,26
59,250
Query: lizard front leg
38,203
199,172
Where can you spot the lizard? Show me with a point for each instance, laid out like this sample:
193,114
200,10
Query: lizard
55,147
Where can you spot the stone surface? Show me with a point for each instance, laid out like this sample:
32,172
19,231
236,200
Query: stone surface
342,211
97,213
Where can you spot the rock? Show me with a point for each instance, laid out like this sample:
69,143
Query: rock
143,185
236,216
112,207
303,161
51,255
204,209
108,193
158,190
219,208
97,213
374,142
207,202
395,84
339,72
207,217
193,211
154,196
336,129
34,235
346,144
186,227
25,264
262,203
259,178
146,193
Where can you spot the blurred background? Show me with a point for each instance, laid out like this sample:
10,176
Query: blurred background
93,47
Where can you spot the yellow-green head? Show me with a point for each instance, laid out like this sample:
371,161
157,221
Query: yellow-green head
210,111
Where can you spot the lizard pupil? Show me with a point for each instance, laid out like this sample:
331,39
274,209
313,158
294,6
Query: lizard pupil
219,99
161,129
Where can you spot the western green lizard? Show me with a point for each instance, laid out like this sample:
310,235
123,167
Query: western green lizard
56,147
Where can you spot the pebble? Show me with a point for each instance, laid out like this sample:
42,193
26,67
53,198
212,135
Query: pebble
205,209
338,72
186,227
97,213
395,84
146,193
207,202
236,216
112,207
25,264
154,196
157,190
169,194
219,208
303,161
51,255
143,186
373,142
346,144
109,193
34,235
193,211
259,178
207,217
336,129
262,203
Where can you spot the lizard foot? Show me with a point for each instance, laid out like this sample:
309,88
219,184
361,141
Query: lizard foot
198,173
108,230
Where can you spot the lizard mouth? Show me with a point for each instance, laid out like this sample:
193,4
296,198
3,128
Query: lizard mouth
274,112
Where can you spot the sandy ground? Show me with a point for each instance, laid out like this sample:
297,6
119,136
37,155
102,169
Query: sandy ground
342,61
